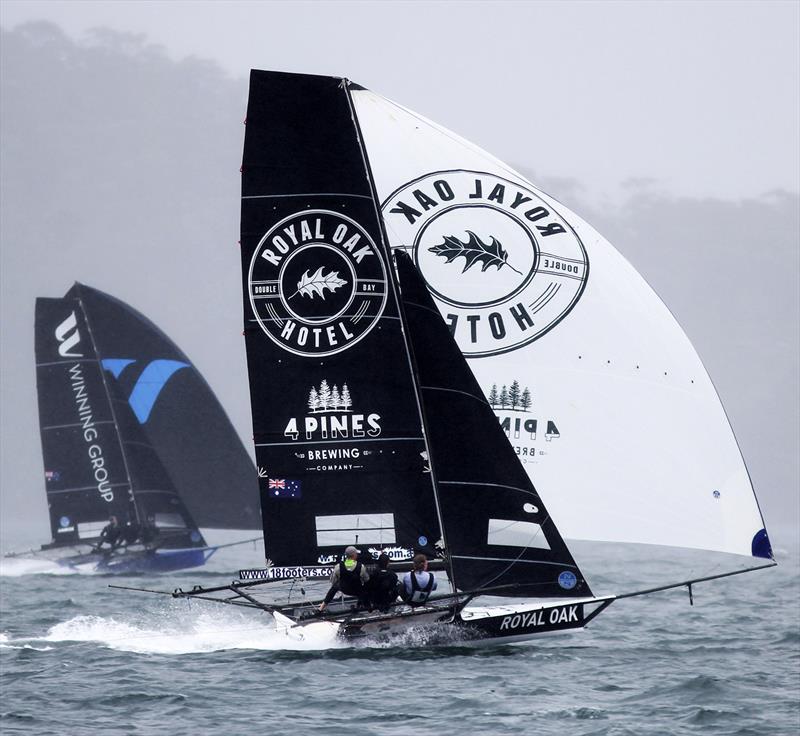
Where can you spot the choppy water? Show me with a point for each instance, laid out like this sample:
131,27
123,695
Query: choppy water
78,658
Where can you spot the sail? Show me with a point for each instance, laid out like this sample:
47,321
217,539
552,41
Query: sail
498,531
338,432
178,412
599,391
97,460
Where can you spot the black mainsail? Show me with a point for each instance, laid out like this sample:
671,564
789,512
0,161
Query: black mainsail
337,425
348,380
98,461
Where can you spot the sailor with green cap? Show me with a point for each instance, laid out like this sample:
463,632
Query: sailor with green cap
349,576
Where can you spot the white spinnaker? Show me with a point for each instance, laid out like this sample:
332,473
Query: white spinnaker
631,442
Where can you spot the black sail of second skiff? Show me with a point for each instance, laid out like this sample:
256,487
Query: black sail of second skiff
178,412
338,432
98,461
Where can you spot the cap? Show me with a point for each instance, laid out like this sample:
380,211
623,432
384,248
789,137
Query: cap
351,550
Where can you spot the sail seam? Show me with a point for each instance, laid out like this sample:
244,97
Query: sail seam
422,306
454,391
336,441
513,560
304,194
76,424
83,488
63,362
492,485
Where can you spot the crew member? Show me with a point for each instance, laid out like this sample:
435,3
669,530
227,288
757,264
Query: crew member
112,533
419,583
383,585
350,576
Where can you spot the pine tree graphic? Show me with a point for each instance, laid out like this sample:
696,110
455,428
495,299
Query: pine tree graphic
346,401
493,396
336,399
525,399
513,394
313,400
324,396
503,397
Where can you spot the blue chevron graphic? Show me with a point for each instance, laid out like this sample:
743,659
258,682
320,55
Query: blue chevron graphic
149,384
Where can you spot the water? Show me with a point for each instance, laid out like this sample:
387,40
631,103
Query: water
77,658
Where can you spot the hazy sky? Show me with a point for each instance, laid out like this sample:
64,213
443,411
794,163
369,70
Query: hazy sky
701,96
665,124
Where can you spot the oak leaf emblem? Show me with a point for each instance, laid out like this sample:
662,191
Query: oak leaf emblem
317,283
473,251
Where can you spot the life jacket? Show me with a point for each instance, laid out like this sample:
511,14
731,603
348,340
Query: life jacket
419,594
350,580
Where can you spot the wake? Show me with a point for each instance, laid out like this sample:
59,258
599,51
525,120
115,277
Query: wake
181,632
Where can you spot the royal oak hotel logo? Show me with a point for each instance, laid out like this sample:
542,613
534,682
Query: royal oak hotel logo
317,283
503,266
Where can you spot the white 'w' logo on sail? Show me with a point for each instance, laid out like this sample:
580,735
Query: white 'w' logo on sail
67,338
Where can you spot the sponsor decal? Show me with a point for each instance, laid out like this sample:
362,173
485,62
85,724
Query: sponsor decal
542,617
68,337
395,554
331,418
90,433
284,573
64,521
317,283
503,266
567,580
52,475
149,385
422,541
512,403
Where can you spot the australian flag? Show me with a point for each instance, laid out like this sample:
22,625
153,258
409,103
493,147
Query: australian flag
52,475
283,488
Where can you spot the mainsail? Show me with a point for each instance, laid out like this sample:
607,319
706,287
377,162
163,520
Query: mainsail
98,461
353,424
336,420
600,392
177,411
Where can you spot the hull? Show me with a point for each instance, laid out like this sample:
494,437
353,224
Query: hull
505,624
135,560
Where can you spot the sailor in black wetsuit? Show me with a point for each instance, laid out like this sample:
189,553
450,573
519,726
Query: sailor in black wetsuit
350,576
382,585
112,533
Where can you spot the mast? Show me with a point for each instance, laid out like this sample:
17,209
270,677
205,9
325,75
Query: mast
131,495
403,326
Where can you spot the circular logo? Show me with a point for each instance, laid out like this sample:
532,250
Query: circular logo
422,541
502,264
64,521
317,283
567,580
